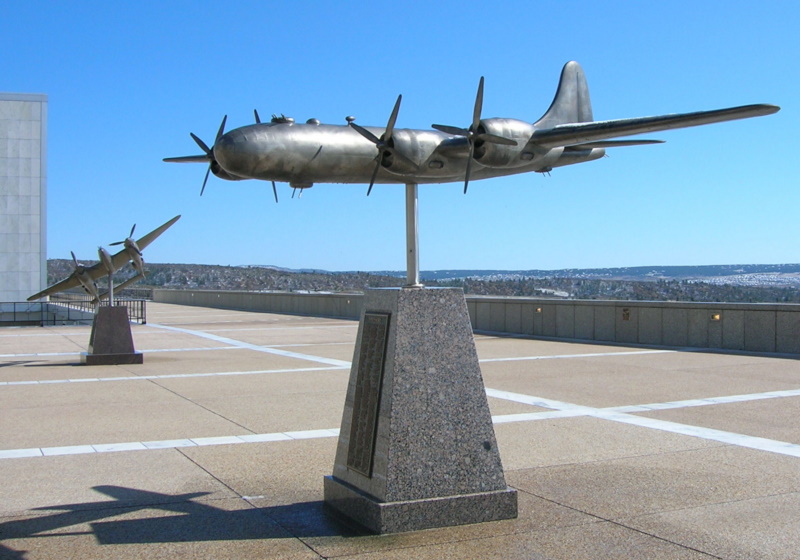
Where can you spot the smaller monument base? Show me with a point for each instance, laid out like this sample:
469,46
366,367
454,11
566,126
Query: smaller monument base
111,359
111,341
353,506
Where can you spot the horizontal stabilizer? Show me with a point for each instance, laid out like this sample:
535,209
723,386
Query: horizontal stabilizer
613,144
118,288
584,133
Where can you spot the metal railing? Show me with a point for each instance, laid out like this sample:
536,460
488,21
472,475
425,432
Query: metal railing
137,309
66,308
17,313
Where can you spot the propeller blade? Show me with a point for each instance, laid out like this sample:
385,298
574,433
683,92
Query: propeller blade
202,144
495,139
469,166
454,130
74,259
187,159
205,180
366,134
132,230
221,130
374,174
275,191
116,243
476,112
392,119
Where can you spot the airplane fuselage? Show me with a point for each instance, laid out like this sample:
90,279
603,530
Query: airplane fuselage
87,282
303,154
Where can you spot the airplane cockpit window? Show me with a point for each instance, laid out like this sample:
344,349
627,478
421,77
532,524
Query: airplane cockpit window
283,119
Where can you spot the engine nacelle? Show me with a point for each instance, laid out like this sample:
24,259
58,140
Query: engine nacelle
417,146
499,155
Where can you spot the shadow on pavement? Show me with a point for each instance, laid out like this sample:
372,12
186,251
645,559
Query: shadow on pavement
183,520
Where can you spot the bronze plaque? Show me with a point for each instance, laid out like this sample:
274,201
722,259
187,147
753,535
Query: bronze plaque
367,399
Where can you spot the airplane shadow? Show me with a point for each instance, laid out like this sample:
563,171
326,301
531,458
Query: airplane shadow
26,363
183,520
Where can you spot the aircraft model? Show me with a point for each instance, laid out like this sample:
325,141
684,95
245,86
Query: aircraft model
87,276
304,154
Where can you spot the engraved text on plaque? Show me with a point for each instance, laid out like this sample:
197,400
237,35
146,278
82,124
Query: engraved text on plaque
369,379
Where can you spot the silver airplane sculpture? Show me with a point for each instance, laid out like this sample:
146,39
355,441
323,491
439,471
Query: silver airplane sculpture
86,276
303,154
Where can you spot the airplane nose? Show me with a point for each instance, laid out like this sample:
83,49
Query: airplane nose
226,151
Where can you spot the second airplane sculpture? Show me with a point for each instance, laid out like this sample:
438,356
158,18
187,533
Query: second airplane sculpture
87,276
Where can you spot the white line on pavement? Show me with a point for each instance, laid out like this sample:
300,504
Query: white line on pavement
240,344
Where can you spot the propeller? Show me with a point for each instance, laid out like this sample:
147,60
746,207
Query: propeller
384,143
474,133
209,151
129,242
78,267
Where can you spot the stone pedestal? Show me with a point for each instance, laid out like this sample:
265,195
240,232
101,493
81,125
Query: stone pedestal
111,341
417,447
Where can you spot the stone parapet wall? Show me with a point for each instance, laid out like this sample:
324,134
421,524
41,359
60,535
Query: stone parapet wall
732,326
322,305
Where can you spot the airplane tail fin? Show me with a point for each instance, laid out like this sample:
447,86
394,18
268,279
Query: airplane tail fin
571,103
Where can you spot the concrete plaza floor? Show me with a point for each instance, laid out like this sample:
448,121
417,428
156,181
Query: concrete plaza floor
217,445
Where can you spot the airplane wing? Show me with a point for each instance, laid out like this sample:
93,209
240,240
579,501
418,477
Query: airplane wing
69,282
594,131
146,240
95,271
121,258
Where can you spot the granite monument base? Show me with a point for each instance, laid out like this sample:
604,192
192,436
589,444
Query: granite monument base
111,341
417,447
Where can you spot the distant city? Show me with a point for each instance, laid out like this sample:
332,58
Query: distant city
729,283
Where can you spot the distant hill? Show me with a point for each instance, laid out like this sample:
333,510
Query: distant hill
730,283
643,273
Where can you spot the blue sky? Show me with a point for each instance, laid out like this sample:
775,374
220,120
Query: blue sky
128,81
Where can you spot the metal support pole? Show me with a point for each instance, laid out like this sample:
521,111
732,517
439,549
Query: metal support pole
412,238
111,290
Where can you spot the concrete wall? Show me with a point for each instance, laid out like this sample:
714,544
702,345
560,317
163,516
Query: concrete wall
320,305
23,180
730,326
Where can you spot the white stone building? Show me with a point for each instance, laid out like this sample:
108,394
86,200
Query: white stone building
23,195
